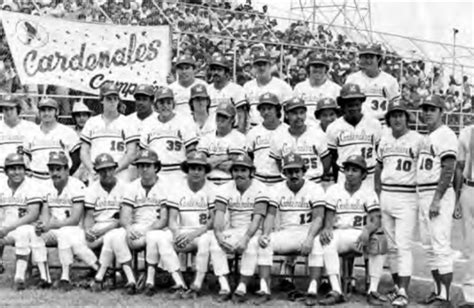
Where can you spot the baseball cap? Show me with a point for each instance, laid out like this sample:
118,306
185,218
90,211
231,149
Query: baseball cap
325,103
199,90
318,59
261,56
57,159
242,160
80,107
292,161
163,93
268,98
226,109
146,157
10,101
350,91
195,158
372,49
103,161
108,88
433,100
186,59
294,103
48,102
144,89
219,60
356,160
15,159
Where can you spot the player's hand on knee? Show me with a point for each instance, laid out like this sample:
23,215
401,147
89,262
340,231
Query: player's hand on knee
326,236
306,247
134,234
182,240
263,241
242,244
90,235
457,213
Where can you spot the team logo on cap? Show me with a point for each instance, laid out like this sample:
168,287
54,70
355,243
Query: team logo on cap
145,153
197,155
291,158
266,95
396,103
240,158
327,101
352,157
103,158
353,88
199,89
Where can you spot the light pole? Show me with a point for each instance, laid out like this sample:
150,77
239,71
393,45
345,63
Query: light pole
455,31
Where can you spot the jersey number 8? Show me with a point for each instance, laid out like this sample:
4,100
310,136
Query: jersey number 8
202,219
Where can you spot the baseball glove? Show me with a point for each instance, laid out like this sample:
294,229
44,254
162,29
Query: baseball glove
377,243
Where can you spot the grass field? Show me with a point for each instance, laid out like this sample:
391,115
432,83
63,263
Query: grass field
420,287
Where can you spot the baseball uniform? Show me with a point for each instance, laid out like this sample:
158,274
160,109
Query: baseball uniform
231,93
182,96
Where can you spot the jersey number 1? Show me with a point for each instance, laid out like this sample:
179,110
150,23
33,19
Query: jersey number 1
117,146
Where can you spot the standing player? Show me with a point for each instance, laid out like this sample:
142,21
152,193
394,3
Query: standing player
223,145
141,206
200,104
436,167
185,67
170,135
264,82
20,204
395,179
304,140
301,208
80,114
317,86
378,86
353,133
261,137
109,132
51,137
60,222
352,221
245,201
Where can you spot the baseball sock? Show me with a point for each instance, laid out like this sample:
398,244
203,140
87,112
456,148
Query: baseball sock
446,280
101,273
395,279
199,279
435,274
150,274
65,272
21,266
43,269
335,283
127,269
178,279
264,286
313,287
224,284
374,284
242,288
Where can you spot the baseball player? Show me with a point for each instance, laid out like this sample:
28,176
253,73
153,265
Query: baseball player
395,179
190,217
20,203
60,222
141,205
223,145
14,132
264,82
245,201
102,203
353,133
435,170
80,115
170,135
109,132
260,138
304,140
352,221
317,86
378,86
185,67
200,103
301,208
52,136
465,191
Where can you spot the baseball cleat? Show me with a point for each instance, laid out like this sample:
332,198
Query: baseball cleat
239,297
332,298
376,299
44,284
64,285
149,289
191,293
131,288
262,298
223,297
97,286
311,299
19,285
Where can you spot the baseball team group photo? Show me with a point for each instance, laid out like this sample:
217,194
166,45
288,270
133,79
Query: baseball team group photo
206,153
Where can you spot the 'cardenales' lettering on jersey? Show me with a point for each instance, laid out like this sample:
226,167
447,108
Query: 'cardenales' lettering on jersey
302,148
201,203
147,201
11,137
290,203
261,140
343,205
349,137
241,204
397,150
104,204
59,201
166,132
11,201
107,131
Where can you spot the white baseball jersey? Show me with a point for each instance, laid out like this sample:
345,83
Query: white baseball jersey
14,204
259,140
311,145
208,128
253,91
435,146
106,205
60,138
231,93
13,139
146,206
194,207
361,139
351,209
379,91
241,206
466,138
182,96
169,140
213,145
139,124
108,137
295,209
60,204
399,157
311,95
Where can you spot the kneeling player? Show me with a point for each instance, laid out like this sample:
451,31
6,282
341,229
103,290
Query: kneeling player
245,201
59,222
300,204
20,204
352,220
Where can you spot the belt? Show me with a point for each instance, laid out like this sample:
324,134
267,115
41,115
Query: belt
468,182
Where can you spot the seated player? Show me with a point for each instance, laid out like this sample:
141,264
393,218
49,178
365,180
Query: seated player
20,204
300,203
352,221
244,200
60,220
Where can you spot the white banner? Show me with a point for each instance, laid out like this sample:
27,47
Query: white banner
83,56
